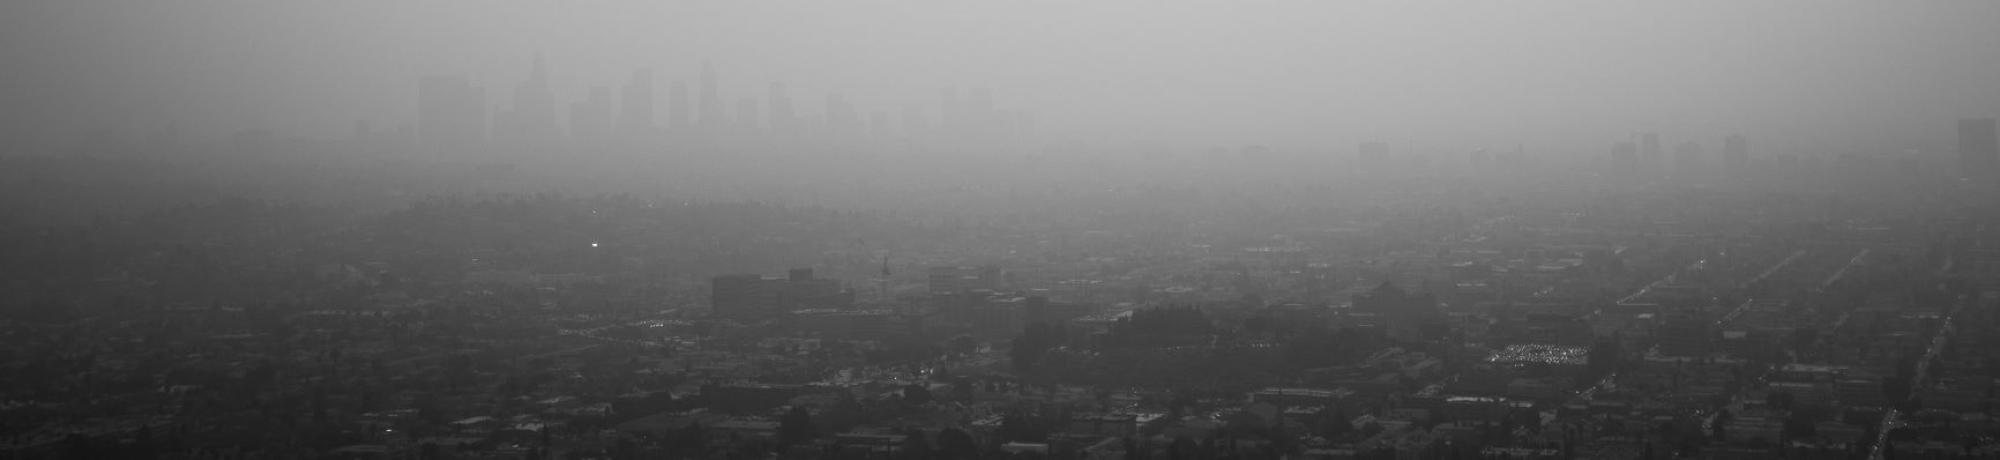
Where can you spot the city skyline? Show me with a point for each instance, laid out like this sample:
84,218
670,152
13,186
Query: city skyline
1857,76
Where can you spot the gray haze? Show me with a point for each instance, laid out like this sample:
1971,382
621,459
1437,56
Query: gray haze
1559,75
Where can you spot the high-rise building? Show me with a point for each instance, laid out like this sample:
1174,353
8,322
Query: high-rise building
679,115
841,118
591,118
1408,316
1736,152
951,112
709,114
1373,154
914,123
878,124
1624,158
534,113
635,108
747,118
980,116
1687,158
743,296
781,117
450,111
750,296
956,280
1651,157
1977,146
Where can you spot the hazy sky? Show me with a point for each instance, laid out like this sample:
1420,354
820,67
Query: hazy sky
1293,74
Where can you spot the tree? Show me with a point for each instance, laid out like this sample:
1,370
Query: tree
955,444
795,426
1333,423
1021,427
962,345
916,394
961,389
915,446
1027,348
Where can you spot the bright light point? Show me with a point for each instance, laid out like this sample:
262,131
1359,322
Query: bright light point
593,245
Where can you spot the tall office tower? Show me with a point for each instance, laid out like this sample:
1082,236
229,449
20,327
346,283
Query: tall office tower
710,114
980,116
678,113
1480,161
743,296
841,118
747,118
1373,154
591,119
1736,152
1624,158
1407,316
1977,146
450,111
914,123
635,108
878,125
534,114
951,113
1687,157
1650,154
781,117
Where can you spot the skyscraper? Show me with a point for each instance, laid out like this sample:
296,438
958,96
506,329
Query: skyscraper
841,118
914,123
1977,147
678,113
782,118
951,113
1651,159
709,114
1373,154
747,118
1687,158
1624,158
979,112
591,119
533,117
1736,152
450,110
635,109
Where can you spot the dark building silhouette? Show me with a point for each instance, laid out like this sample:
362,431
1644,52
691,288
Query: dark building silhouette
591,118
533,116
913,120
709,114
1688,158
750,296
951,112
980,115
1624,158
1405,316
747,117
450,110
742,296
782,119
950,281
878,124
635,107
1736,152
841,118
679,114
1373,154
1977,146
1651,157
